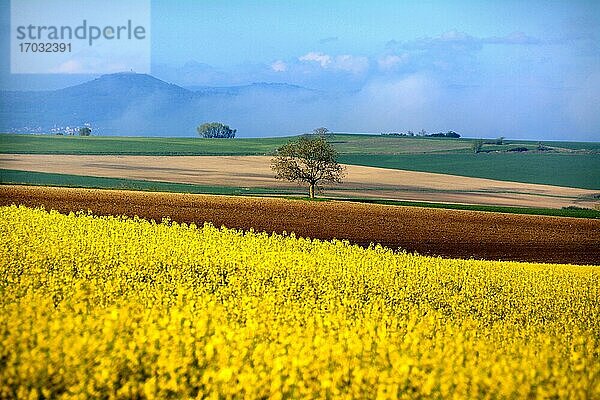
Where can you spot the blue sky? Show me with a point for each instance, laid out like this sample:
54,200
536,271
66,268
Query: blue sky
521,69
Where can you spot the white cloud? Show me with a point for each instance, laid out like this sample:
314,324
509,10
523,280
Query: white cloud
279,66
408,93
345,62
383,104
320,58
392,61
353,64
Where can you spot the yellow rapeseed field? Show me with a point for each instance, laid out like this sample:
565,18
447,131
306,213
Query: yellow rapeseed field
123,308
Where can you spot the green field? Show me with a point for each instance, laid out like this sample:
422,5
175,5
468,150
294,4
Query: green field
571,164
13,177
345,144
580,170
98,145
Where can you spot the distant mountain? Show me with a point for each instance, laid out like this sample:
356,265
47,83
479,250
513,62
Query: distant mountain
135,84
140,104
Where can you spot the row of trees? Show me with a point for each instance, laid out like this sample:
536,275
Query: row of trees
423,133
85,130
217,130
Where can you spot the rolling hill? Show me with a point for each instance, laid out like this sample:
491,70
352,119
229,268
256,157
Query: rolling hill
142,105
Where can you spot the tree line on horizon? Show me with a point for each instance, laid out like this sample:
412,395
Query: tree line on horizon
423,133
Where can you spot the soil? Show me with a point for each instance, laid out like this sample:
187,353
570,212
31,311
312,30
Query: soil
427,231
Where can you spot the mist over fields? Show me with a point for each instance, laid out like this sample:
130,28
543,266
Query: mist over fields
141,105
521,71
132,104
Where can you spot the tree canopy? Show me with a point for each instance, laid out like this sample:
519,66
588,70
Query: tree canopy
216,130
321,131
308,159
85,131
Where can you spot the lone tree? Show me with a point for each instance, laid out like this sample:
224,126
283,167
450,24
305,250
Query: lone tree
216,130
85,131
477,146
322,131
308,159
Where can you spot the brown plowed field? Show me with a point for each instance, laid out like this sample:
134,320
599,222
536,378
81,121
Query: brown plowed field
448,233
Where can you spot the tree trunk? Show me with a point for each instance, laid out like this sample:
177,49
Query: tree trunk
312,191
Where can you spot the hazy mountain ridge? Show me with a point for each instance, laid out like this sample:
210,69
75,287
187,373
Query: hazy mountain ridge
140,104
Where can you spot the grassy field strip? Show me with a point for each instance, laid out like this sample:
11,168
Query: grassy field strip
560,169
347,144
14,177
573,164
254,171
